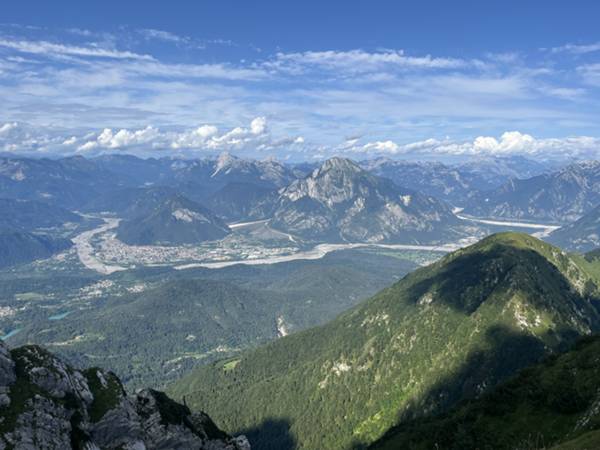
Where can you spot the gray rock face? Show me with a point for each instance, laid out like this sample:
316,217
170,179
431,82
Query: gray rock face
340,200
7,375
562,197
46,404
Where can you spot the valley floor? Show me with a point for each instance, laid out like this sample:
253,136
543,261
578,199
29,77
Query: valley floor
251,243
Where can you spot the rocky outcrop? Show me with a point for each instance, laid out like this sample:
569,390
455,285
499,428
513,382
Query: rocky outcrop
341,201
46,404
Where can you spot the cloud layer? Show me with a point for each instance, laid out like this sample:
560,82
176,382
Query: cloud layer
154,90
256,139
20,138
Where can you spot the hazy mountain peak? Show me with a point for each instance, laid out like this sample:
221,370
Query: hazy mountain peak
224,161
338,163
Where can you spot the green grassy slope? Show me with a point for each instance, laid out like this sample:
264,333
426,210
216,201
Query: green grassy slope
555,404
443,333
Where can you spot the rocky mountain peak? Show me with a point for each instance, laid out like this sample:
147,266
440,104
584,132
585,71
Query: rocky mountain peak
223,162
340,200
45,403
338,164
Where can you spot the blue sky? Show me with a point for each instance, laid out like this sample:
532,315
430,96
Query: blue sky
301,80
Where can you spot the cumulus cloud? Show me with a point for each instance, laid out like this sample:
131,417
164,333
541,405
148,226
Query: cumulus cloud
509,143
258,125
381,146
207,136
18,137
23,138
121,139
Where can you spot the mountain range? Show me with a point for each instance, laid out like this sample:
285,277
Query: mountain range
28,215
455,184
582,236
444,333
560,197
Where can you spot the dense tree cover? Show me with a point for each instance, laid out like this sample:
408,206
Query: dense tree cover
444,333
28,215
20,247
185,318
550,404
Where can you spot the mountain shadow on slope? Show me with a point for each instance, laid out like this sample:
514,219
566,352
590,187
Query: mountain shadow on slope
552,404
274,431
17,247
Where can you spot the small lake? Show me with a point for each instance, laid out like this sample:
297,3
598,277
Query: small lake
10,334
59,316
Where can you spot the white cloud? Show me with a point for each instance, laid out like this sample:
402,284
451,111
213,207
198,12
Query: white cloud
357,61
509,143
321,95
206,131
381,147
48,49
258,125
122,139
590,73
577,49
204,137
161,35
70,141
7,127
23,138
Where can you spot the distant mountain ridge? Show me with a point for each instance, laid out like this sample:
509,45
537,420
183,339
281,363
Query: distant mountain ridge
582,235
18,247
243,201
67,182
455,183
561,197
29,215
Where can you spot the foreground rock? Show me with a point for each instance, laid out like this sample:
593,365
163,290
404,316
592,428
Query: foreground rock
46,404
